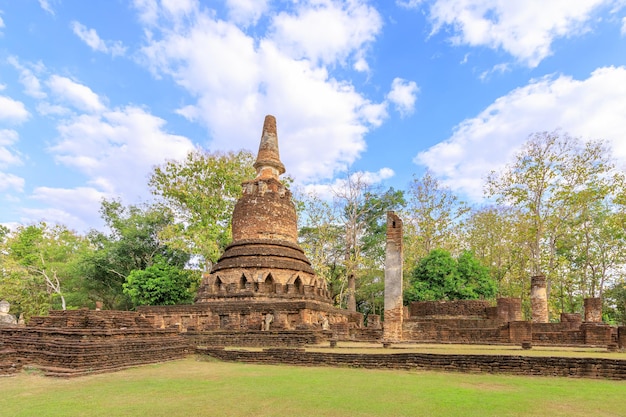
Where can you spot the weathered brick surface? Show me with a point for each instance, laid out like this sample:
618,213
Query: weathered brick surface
456,308
509,309
621,337
258,338
243,314
393,314
593,310
81,346
539,299
264,260
10,362
518,365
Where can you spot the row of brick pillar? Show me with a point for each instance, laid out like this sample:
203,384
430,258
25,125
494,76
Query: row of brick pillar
539,303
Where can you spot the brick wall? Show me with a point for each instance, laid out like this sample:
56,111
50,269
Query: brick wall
518,365
457,308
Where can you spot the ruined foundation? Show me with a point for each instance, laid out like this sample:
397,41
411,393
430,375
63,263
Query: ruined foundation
77,342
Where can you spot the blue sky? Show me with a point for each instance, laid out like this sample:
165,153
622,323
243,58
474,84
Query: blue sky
93,94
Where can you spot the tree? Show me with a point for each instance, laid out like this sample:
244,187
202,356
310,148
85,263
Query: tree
202,191
40,268
321,238
559,185
160,284
433,215
132,244
439,276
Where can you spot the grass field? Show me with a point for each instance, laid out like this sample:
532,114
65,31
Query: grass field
209,388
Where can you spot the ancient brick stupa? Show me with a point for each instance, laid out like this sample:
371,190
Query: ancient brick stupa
263,281
264,261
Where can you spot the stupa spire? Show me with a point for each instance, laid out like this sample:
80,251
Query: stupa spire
268,159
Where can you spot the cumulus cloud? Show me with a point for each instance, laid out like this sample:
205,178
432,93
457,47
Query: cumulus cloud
624,26
347,28
246,12
238,79
403,95
91,38
592,108
117,148
12,111
78,95
523,29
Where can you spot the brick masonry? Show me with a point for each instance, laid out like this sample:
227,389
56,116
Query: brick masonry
517,365
393,313
539,299
69,343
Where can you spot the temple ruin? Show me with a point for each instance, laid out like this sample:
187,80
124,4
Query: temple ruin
263,283
263,292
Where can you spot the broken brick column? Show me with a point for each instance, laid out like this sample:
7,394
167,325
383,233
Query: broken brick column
392,327
593,310
539,299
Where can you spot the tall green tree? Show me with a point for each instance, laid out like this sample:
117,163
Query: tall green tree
559,184
432,219
202,191
40,268
132,243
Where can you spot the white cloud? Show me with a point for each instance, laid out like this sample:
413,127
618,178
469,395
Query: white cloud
47,109
91,38
32,85
347,28
75,94
117,149
148,11
409,4
238,80
341,185
246,12
624,26
77,208
524,29
12,110
11,181
45,4
403,95
8,156
498,68
593,108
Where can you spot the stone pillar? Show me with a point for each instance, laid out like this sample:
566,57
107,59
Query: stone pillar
539,299
392,327
509,309
621,337
593,310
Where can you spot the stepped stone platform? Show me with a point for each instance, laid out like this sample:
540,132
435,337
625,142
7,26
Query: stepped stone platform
71,343
10,362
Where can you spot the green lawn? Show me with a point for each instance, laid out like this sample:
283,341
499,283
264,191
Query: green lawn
210,388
